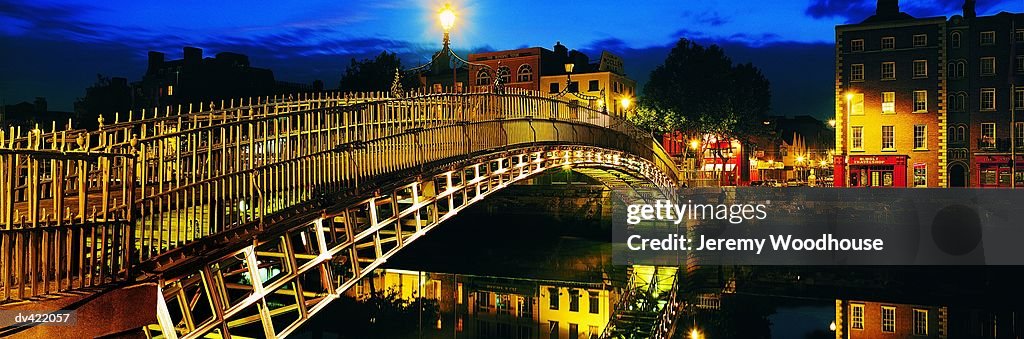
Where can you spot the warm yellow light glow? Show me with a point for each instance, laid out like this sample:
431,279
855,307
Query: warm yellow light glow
447,18
694,144
569,67
823,163
832,122
625,102
832,326
800,158
849,96
694,334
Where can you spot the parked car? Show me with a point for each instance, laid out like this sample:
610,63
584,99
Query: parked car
772,183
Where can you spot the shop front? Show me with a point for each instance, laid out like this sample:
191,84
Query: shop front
996,171
878,171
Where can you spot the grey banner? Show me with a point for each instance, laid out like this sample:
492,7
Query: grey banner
19,318
820,226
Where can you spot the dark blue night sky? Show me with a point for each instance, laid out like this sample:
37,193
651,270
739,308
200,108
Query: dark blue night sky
56,48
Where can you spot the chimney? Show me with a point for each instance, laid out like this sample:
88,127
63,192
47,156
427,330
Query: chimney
887,7
193,55
156,59
969,11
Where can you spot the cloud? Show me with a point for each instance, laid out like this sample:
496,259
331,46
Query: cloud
858,10
851,10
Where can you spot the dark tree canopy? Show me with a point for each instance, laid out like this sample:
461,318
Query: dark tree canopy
698,91
374,75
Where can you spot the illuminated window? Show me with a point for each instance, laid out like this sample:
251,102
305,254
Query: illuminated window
919,136
988,135
955,39
920,68
170,90
888,319
920,179
888,42
888,138
920,101
857,104
857,45
920,40
857,72
988,99
988,38
888,71
988,66
483,77
857,316
888,102
525,73
920,322
857,138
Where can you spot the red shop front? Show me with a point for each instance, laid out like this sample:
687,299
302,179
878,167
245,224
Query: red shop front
878,171
995,171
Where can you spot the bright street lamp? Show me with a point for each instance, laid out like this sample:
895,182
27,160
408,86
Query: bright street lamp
447,17
694,334
625,102
694,144
832,122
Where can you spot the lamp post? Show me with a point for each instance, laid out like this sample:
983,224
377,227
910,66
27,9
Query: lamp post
447,17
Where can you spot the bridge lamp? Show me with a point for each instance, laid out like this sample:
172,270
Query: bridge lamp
832,326
694,144
695,334
447,17
832,122
625,103
800,158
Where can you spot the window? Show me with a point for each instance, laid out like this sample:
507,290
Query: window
552,329
574,331
888,42
988,99
920,68
594,303
553,298
919,136
888,71
920,175
593,332
888,319
1018,64
483,77
574,87
525,307
593,85
920,101
483,300
857,316
888,102
857,72
888,138
857,138
857,104
920,40
524,74
553,88
1018,98
920,322
961,133
574,301
503,302
988,38
961,69
170,90
504,74
1018,35
988,177
857,45
988,66
988,135
955,39
1018,134
961,102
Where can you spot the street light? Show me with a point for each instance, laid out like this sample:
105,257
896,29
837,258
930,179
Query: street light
625,102
695,334
832,122
447,17
694,144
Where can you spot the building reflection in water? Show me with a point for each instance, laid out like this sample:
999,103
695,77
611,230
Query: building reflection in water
499,307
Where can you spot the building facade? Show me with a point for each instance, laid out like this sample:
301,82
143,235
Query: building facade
872,319
930,102
536,68
890,101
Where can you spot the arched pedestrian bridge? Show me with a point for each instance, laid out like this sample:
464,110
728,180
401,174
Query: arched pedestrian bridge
247,217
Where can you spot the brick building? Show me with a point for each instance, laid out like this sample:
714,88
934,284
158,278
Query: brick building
890,101
929,102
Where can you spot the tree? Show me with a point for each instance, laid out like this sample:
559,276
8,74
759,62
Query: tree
699,92
375,75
